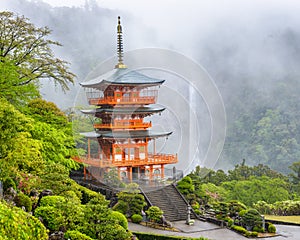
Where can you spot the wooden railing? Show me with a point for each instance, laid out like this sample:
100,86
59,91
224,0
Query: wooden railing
152,159
138,126
122,100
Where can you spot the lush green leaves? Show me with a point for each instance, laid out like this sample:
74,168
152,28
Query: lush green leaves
17,224
29,48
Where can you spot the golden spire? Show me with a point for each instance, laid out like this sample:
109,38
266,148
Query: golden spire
120,46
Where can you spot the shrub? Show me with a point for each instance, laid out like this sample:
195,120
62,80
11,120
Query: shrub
252,218
53,201
121,219
87,194
239,229
271,228
258,229
23,200
121,207
136,218
17,224
76,235
52,218
230,222
7,183
154,213
253,234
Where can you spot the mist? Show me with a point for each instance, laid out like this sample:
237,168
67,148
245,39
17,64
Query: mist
242,45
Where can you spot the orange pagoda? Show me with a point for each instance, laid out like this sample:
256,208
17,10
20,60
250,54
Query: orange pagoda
123,98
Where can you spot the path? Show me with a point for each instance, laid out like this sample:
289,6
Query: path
214,232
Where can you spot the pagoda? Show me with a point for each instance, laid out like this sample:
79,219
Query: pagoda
122,98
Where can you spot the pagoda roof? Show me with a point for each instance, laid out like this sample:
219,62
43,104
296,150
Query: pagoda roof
124,77
124,110
125,134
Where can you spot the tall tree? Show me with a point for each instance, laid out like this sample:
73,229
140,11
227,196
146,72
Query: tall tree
26,52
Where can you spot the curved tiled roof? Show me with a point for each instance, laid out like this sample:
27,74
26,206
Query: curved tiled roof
125,134
124,110
122,76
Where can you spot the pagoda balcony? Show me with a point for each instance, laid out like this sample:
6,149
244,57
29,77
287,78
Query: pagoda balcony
151,159
124,125
122,101
121,124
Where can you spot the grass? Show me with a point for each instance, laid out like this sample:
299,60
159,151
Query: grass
290,219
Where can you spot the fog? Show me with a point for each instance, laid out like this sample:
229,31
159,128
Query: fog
253,43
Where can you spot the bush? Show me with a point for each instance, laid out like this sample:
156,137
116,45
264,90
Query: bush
136,218
253,234
23,200
151,236
52,218
271,228
230,222
52,201
121,219
17,224
154,213
239,229
258,229
87,194
7,183
75,235
121,207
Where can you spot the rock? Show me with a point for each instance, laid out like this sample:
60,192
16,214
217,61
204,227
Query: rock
57,236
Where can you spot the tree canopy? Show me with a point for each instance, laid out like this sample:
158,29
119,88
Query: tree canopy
26,56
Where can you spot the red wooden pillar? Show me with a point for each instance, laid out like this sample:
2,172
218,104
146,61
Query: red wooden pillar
151,173
84,173
130,174
162,171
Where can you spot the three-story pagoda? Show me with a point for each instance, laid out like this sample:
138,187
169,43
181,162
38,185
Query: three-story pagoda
123,98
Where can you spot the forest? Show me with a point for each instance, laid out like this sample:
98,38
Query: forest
37,141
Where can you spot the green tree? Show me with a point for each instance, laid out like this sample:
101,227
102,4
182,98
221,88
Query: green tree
29,49
256,189
100,223
154,213
130,201
295,175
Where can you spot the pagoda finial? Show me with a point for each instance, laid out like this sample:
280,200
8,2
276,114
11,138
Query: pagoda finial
120,46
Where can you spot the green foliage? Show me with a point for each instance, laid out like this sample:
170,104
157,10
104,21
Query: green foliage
136,218
121,219
67,212
154,213
185,185
130,201
76,235
271,228
151,236
252,218
87,194
47,112
23,200
8,183
256,189
29,49
100,223
11,89
17,224
239,229
52,201
214,193
51,218
111,178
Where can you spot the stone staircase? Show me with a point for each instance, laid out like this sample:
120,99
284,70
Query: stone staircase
170,201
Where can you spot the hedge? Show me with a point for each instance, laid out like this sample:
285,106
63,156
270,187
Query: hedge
151,236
